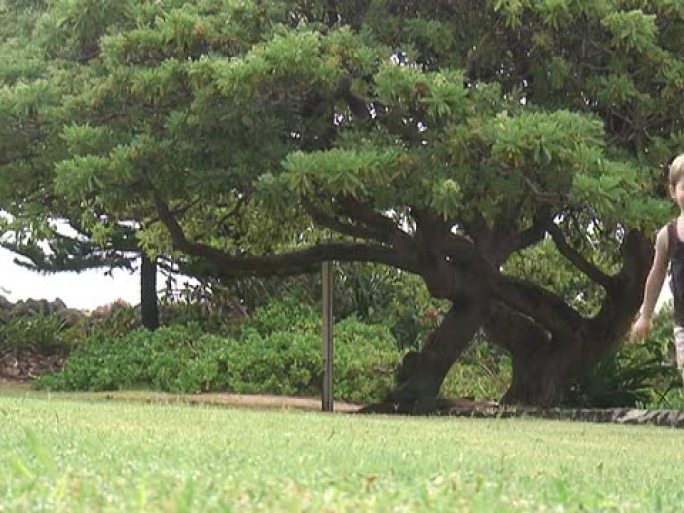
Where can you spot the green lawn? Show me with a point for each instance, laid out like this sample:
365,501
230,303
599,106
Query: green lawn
60,454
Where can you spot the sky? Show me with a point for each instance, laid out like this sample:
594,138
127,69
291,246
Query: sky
86,290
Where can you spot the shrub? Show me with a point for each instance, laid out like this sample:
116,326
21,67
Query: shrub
287,314
40,333
211,318
414,313
365,359
112,320
672,399
139,359
279,351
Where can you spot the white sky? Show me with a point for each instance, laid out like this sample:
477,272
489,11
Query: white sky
86,290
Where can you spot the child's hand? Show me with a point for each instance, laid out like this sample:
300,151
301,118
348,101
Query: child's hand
641,328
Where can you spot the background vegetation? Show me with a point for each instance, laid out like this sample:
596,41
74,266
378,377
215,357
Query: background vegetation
263,336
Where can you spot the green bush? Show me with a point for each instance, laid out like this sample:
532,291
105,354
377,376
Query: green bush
41,333
414,313
672,399
366,356
287,314
278,351
212,319
109,363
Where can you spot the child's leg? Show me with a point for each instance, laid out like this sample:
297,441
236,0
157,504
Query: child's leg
679,347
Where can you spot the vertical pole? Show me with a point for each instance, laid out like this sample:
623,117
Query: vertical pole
149,308
326,275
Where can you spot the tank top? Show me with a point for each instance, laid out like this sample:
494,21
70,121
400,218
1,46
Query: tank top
675,249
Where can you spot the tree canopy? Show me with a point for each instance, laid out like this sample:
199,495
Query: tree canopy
459,140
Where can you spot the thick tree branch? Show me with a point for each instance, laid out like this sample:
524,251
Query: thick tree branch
504,238
531,300
294,262
576,259
637,255
541,196
364,214
334,223
461,250
476,227
536,232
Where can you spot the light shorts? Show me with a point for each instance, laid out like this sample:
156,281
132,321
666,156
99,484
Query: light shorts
679,345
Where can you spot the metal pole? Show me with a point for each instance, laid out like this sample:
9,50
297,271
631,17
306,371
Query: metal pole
326,275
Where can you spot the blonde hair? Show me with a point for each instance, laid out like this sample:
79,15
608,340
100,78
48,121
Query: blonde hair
677,169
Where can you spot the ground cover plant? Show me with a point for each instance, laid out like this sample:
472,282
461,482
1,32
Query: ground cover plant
65,455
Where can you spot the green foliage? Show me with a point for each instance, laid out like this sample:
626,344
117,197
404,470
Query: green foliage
413,312
213,89
72,28
240,115
276,352
632,29
343,172
551,270
42,333
366,291
374,294
211,319
672,399
365,359
286,314
482,372
110,321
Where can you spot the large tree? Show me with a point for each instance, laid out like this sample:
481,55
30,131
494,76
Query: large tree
454,139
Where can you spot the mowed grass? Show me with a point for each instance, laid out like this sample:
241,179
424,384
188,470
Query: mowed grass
59,454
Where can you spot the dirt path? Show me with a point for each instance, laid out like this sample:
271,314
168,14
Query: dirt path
239,400
216,399
451,407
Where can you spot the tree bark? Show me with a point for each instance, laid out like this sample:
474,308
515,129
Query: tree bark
422,373
549,358
544,363
149,309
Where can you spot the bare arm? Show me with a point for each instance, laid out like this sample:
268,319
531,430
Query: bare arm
656,275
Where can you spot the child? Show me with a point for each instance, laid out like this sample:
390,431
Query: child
669,249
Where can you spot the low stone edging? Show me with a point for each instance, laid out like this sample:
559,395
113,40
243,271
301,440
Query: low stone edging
668,418
493,410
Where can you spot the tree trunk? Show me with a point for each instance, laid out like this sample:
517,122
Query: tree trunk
551,344
544,363
540,377
545,366
422,373
548,360
149,309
